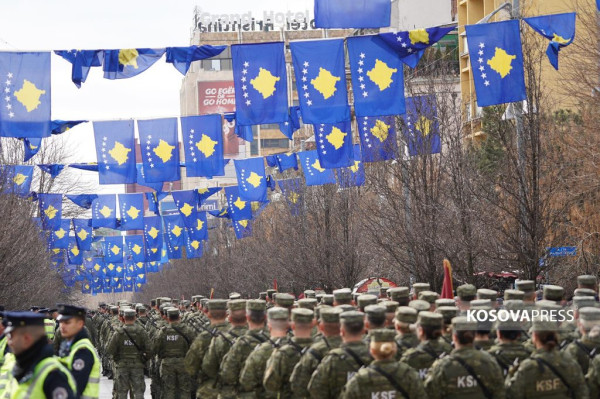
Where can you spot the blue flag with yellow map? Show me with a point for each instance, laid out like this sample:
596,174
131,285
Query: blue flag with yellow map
496,62
558,28
199,231
83,233
32,145
320,71
141,179
182,57
50,208
242,228
344,14
314,173
127,63
187,204
238,208
74,254
82,61
134,245
21,176
289,127
203,145
260,81
193,247
115,151
352,176
113,249
160,149
377,77
252,180
411,45
222,213
174,229
82,200
286,161
206,192
104,211
334,144
421,126
25,110
132,211
59,238
377,138
292,190
59,126
153,238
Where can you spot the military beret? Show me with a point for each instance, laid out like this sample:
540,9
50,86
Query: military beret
590,314
352,316
172,312
584,292
398,292
366,300
301,315
514,304
382,335
66,312
406,314
330,315
390,306
444,302
310,294
462,323
256,304
129,313
584,302
278,313
22,319
429,296
484,293
285,300
466,291
543,324
342,294
375,311
431,319
553,292
447,312
262,295
587,280
236,304
308,303
327,299
419,305
346,308
235,295
525,285
217,304
484,304
418,287
513,294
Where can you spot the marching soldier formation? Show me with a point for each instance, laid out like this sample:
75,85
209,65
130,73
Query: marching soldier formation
398,344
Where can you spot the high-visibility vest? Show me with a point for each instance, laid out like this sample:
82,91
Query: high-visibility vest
8,383
33,388
92,389
49,325
3,343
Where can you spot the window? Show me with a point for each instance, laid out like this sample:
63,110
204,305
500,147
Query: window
274,143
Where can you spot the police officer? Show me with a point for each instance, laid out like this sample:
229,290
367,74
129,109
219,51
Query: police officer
77,352
37,372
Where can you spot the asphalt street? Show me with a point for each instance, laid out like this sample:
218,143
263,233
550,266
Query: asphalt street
106,387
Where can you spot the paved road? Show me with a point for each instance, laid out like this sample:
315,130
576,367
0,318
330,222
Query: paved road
106,386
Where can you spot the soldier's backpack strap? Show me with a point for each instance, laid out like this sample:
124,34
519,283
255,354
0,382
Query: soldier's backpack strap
486,391
391,380
142,353
182,334
297,347
356,358
230,342
504,366
591,353
430,352
557,373
315,354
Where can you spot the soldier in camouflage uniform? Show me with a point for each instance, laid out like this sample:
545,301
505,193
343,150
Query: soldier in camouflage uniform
130,349
283,360
270,300
340,364
329,326
593,377
390,313
430,297
466,372
374,319
222,342
365,300
584,349
343,296
251,377
418,288
406,338
400,295
384,377
509,351
217,314
448,312
171,346
484,328
432,346
466,293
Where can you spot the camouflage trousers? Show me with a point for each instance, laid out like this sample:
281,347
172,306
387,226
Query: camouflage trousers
155,378
128,379
208,389
176,382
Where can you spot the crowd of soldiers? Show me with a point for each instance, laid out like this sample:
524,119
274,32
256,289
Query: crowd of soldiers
397,344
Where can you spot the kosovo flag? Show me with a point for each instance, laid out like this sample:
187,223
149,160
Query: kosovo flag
200,230
289,127
260,80
52,169
203,144
160,150
83,200
90,167
558,28
25,110
357,14
135,248
182,57
334,144
353,176
83,233
50,210
132,211
286,161
377,77
60,237
320,70
154,199
223,213
421,126
59,126
32,146
252,179
21,177
314,173
104,211
292,191
153,238
86,288
174,229
378,138
115,151
106,285
82,61
238,208
113,249
141,179
411,45
74,254
187,204
193,247
206,192
243,132
127,63
242,228
173,251
497,62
